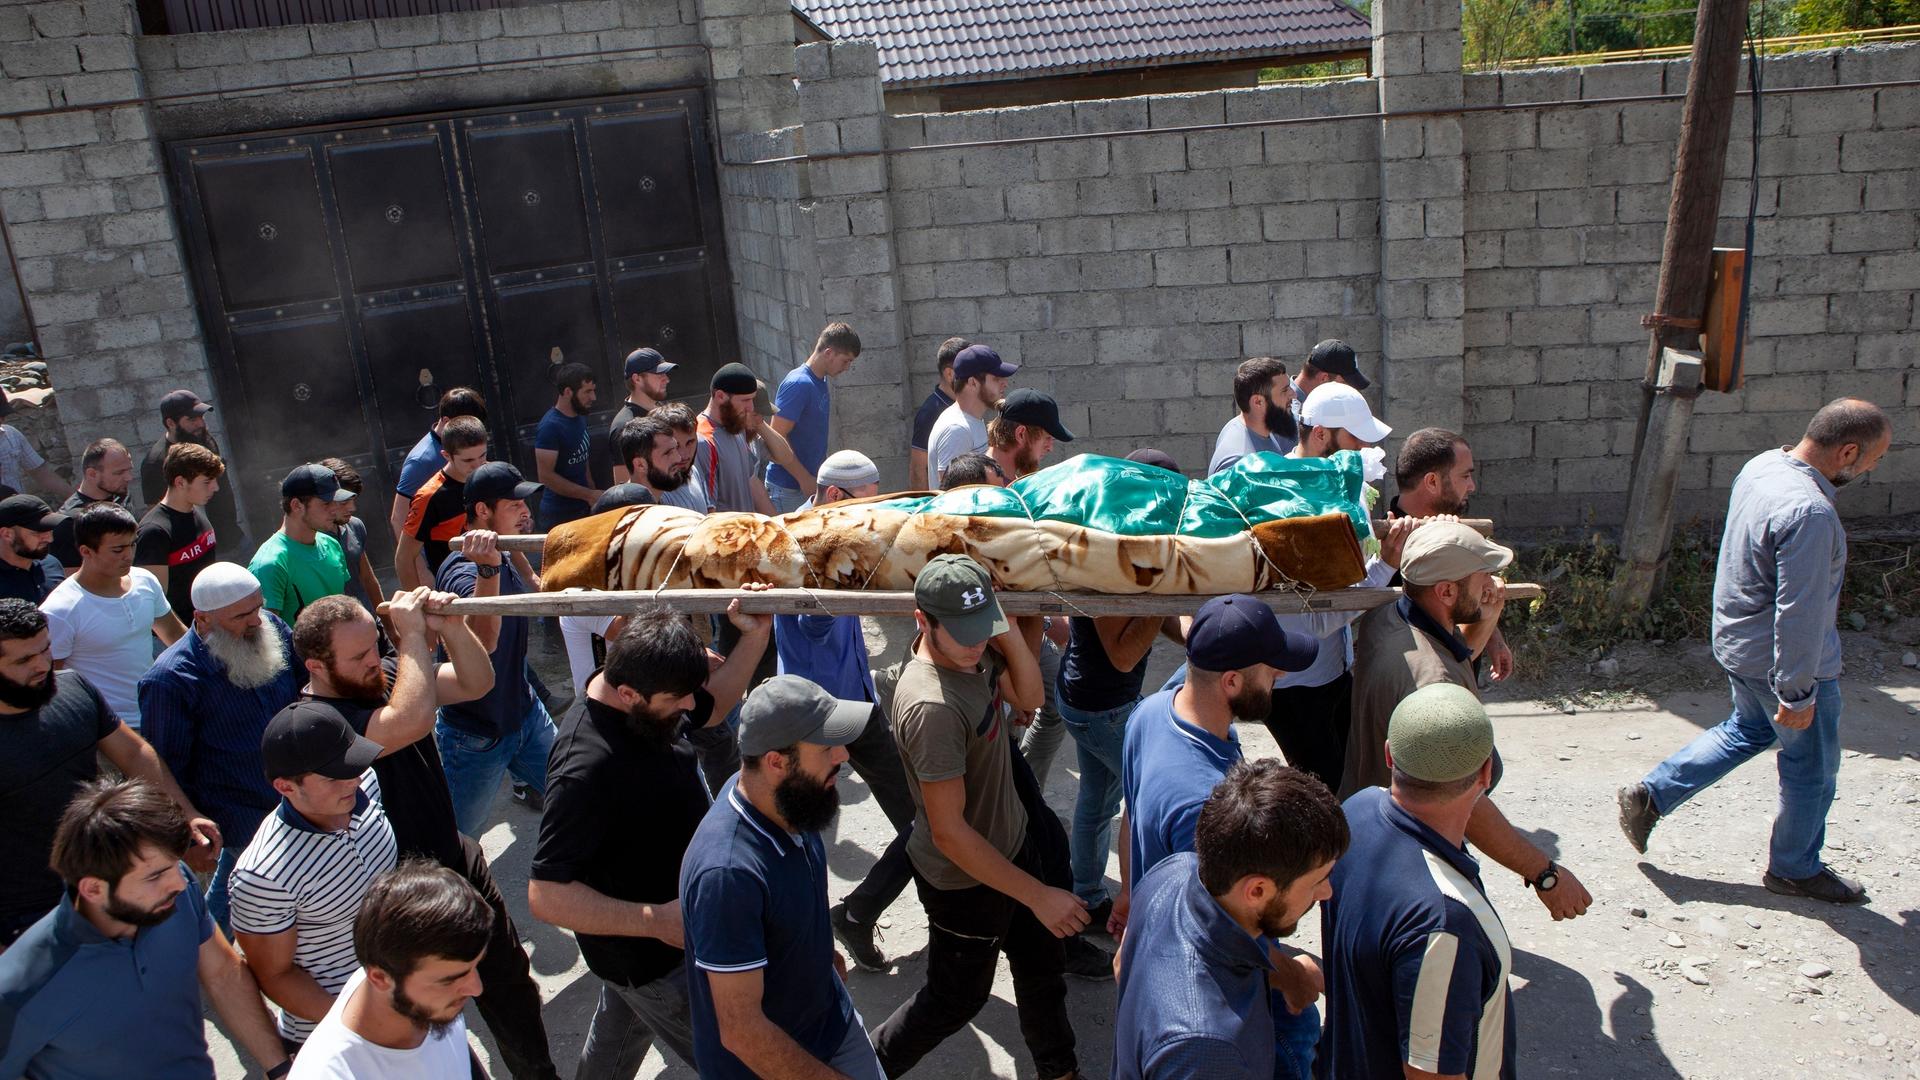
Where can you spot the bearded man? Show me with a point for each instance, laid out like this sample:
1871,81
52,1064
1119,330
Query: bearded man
207,700
392,701
624,796
1024,432
723,464
184,417
1263,414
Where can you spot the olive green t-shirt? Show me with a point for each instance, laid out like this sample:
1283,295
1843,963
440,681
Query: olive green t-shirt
950,724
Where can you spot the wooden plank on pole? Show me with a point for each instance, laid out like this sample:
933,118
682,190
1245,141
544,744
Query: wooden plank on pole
852,602
1649,525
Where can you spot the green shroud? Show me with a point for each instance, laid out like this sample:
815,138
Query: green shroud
1131,499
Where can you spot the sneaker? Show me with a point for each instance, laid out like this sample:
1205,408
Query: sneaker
1637,815
525,795
857,939
1825,885
1097,916
1087,960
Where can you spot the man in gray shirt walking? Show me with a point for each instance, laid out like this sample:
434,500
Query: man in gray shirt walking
1776,599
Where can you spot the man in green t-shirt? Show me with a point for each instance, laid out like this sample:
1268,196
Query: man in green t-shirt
303,562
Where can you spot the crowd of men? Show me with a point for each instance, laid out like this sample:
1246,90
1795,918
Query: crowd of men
262,782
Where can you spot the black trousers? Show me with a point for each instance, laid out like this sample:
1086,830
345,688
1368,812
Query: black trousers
967,931
1310,724
509,1001
875,757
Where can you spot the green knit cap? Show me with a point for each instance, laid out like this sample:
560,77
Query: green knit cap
1439,733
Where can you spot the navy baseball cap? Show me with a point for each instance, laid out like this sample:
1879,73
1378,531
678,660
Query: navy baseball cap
981,360
648,362
1233,632
312,481
498,480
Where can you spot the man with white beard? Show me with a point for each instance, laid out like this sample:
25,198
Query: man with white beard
208,698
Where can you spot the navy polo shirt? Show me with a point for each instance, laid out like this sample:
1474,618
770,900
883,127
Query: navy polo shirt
1416,958
753,895
76,1005
1168,767
1193,985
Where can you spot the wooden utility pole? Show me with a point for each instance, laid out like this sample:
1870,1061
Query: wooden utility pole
1686,262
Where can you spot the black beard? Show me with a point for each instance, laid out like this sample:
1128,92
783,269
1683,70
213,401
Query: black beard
664,479
1280,422
134,916
1271,923
655,732
412,1012
1251,704
205,438
19,695
804,803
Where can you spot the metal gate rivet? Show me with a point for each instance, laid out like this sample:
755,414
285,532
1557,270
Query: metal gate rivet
531,197
395,213
647,183
267,231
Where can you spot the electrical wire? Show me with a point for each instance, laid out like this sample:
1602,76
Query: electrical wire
1756,82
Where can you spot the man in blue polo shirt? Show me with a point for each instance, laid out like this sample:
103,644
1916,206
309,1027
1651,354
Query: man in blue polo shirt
1417,961
1193,997
802,407
766,986
108,983
1181,742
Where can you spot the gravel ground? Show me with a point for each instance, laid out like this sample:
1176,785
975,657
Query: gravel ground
1685,966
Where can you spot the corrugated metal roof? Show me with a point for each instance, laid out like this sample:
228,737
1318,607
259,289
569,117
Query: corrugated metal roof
945,42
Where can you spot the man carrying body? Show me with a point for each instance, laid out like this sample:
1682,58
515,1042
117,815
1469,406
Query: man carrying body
106,475
208,698
54,731
646,374
1434,475
1417,961
177,540
1448,570
1023,433
303,562
102,620
108,984
26,535
184,416
768,991
1194,995
976,864
1264,422
1331,361
622,756
561,447
439,509
802,409
1776,598
425,458
723,457
979,379
918,479
392,701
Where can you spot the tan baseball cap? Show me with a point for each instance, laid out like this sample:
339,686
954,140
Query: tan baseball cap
1449,551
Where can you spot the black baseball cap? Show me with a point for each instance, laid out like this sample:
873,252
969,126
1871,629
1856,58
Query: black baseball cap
1035,409
736,378
312,481
313,737
29,512
981,360
181,403
498,480
1233,632
648,362
620,496
1335,357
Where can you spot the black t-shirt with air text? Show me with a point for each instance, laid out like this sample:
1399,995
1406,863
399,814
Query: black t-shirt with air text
181,541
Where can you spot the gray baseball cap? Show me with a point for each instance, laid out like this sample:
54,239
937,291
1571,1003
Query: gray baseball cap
788,709
958,594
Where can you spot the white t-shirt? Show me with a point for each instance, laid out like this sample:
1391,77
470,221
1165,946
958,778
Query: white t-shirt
579,631
954,433
335,1052
107,639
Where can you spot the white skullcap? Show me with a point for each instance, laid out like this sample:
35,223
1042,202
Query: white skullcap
848,469
223,584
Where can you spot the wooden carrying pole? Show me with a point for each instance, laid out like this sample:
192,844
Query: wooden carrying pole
858,602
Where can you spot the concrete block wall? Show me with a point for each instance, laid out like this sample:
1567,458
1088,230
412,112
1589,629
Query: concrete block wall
1565,212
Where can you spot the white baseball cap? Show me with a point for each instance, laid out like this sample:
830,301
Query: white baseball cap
1337,405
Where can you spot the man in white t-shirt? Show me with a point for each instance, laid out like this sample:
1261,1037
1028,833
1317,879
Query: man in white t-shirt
102,620
419,937
979,379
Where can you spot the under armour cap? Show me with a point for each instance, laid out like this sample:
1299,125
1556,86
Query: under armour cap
1335,357
1238,631
312,737
1336,405
1449,551
221,585
957,593
736,379
1439,733
648,362
789,709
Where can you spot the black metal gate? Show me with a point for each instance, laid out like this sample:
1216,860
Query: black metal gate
347,276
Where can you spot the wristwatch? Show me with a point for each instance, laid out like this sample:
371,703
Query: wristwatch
1548,878
280,1070
486,571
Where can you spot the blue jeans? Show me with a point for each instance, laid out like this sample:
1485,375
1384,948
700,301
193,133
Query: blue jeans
218,904
785,499
475,764
1099,737
1294,1039
1809,767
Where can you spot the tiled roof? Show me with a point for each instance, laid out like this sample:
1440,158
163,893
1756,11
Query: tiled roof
948,42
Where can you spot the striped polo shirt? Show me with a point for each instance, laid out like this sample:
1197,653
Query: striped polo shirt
1416,958
296,877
